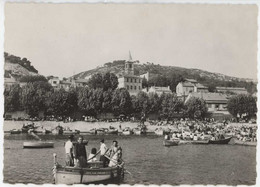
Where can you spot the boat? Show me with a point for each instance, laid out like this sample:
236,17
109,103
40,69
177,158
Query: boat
15,131
71,132
38,144
94,173
220,141
27,127
159,132
138,131
101,131
171,142
246,143
127,131
194,142
57,130
111,131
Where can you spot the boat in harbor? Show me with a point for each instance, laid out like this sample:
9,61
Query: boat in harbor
38,144
246,143
159,131
94,173
15,131
171,142
127,131
220,141
194,142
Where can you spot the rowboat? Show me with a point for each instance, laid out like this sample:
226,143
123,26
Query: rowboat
38,144
220,141
171,142
246,143
194,142
111,131
93,173
15,131
159,132
127,131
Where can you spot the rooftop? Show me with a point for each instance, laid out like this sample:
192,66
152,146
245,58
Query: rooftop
210,97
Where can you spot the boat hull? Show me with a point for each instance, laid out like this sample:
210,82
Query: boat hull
239,142
38,145
171,142
71,175
221,141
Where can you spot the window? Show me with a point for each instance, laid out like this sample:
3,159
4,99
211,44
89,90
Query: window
131,87
54,82
126,79
135,87
139,87
130,66
127,87
130,80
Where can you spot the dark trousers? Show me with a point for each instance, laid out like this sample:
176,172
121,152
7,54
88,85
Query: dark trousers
105,160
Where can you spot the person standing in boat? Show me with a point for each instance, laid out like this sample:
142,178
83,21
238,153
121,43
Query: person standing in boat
80,153
115,152
103,151
69,151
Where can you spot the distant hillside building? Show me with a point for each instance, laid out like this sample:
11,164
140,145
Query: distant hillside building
188,86
128,80
158,90
56,83
231,90
215,101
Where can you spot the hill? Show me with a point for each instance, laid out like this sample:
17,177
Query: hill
17,67
171,75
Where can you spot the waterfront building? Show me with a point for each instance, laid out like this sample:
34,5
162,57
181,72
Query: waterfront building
158,90
56,83
128,80
234,90
188,86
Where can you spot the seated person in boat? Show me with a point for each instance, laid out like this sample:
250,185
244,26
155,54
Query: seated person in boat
92,155
115,154
69,151
80,153
167,137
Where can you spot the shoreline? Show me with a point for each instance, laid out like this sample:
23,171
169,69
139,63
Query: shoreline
83,126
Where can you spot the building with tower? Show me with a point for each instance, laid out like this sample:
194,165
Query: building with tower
128,80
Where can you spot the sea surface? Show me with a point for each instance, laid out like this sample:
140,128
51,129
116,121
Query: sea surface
147,161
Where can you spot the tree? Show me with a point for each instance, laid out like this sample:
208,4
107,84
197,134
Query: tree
144,83
143,102
34,97
154,103
106,81
242,104
107,100
62,103
196,107
33,78
12,98
121,102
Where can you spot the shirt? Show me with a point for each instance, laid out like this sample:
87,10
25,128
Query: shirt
103,149
68,147
80,150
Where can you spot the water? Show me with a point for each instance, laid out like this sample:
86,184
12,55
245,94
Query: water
146,158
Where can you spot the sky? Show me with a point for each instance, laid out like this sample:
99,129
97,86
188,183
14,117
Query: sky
66,39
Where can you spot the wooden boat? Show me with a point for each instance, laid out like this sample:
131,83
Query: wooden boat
15,131
246,143
94,173
171,142
138,131
194,142
127,131
38,144
111,131
220,141
159,132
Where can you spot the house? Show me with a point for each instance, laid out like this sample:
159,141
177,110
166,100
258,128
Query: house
188,86
215,101
133,83
234,90
56,83
8,82
158,90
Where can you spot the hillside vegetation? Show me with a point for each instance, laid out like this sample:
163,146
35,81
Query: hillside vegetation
17,67
171,75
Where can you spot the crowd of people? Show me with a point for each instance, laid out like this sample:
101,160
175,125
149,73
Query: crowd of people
76,154
204,130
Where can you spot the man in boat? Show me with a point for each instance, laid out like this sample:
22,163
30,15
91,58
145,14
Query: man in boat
115,154
103,151
69,151
80,153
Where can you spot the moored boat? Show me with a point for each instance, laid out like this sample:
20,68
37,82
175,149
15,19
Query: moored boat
127,131
171,142
38,144
15,131
220,141
246,143
159,132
